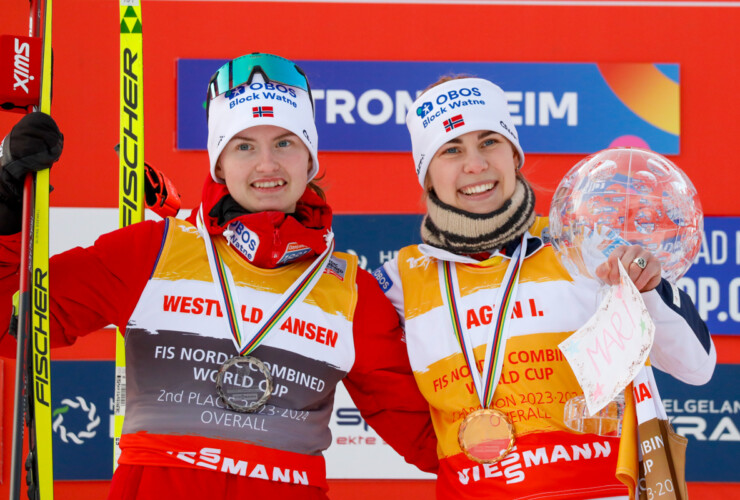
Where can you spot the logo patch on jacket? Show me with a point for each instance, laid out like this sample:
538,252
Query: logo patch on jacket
244,240
383,279
293,251
336,267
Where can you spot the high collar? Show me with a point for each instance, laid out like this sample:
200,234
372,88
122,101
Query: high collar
462,232
274,238
534,243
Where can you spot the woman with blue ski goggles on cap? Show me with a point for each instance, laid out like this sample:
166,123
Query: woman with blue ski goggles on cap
485,304
239,321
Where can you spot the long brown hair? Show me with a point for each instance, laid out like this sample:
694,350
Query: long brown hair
314,186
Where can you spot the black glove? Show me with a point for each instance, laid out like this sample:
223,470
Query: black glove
33,144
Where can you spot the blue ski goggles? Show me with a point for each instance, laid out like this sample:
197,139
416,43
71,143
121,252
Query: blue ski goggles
241,71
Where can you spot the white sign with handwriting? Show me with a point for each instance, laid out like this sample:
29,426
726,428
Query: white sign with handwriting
606,353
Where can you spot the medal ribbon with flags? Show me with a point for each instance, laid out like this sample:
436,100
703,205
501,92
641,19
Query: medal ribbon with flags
498,334
246,341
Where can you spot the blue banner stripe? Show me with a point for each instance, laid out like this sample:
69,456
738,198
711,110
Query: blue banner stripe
361,105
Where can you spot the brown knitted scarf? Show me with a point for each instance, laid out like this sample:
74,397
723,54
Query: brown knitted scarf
462,232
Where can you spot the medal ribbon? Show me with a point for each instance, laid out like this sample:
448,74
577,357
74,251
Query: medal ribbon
223,278
498,334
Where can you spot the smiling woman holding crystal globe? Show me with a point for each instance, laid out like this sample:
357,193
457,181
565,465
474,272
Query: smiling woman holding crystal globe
485,303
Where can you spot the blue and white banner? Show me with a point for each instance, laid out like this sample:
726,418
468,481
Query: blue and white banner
709,416
82,398
376,239
713,282
557,107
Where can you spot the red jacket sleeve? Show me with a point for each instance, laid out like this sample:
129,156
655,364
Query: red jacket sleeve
10,247
90,288
381,382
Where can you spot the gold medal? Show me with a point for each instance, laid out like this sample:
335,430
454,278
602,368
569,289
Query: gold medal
486,436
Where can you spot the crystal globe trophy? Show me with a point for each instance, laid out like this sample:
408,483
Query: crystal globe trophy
614,197
626,195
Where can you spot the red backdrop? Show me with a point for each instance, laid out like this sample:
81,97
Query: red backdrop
703,41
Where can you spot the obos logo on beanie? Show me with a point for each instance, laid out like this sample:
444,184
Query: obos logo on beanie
261,103
452,109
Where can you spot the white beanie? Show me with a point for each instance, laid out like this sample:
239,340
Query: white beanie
452,109
261,103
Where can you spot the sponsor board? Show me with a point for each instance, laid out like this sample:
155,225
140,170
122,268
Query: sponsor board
375,239
82,414
357,451
713,282
556,107
709,416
